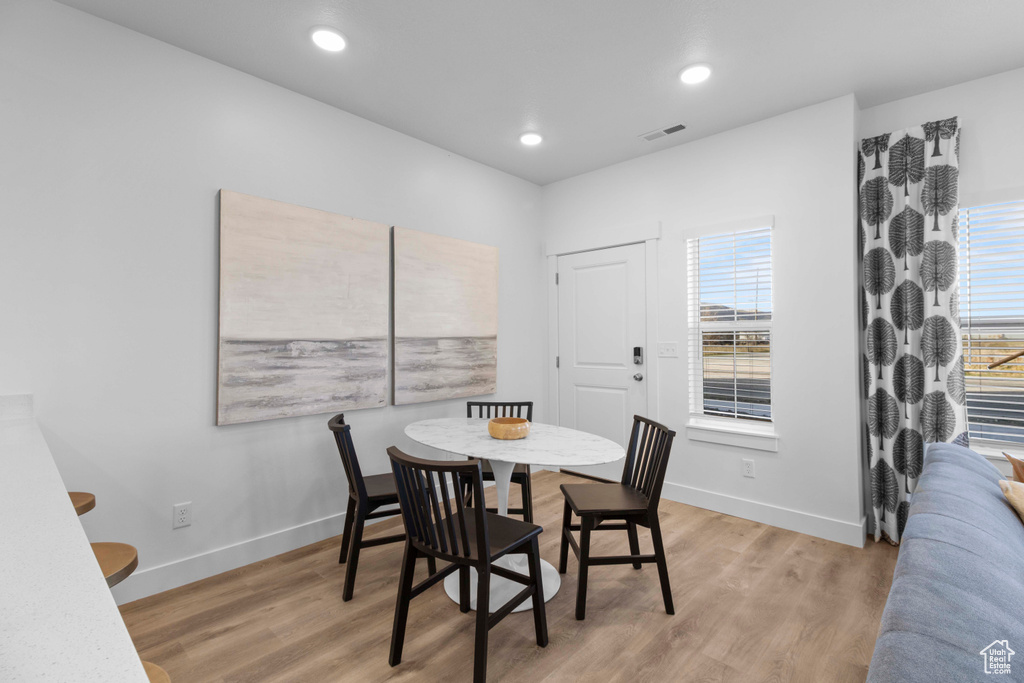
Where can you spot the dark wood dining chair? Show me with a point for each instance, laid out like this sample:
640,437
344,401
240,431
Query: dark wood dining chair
521,473
439,525
365,496
628,504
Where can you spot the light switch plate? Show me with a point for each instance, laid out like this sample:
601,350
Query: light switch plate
668,349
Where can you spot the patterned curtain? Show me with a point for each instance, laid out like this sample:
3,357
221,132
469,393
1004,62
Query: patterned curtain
913,362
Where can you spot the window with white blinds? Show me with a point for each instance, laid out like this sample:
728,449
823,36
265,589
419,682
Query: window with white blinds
992,319
729,279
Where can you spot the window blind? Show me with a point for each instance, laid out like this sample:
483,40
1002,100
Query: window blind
729,281
992,318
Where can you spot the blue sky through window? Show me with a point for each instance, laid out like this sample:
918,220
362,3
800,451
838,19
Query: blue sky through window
735,274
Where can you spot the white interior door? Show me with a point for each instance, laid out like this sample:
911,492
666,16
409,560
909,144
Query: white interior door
602,318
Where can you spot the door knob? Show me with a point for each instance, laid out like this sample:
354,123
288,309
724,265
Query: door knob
638,377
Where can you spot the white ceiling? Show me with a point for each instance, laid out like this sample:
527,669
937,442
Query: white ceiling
590,75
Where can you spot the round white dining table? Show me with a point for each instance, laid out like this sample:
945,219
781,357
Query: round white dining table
546,445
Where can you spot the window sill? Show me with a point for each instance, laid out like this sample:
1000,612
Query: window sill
993,452
755,437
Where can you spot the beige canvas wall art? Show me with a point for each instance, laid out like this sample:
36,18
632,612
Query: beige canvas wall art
304,301
446,317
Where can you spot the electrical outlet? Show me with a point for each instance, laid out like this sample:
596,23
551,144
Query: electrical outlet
748,468
668,349
181,515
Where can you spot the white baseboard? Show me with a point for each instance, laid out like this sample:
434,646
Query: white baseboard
152,580
849,533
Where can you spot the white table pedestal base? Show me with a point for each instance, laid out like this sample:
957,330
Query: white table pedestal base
502,589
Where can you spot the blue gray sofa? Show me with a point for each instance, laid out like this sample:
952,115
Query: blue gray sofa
959,580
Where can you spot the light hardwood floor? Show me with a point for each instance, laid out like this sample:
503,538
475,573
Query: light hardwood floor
753,603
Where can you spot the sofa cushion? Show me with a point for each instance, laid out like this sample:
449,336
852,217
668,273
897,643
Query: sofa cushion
959,580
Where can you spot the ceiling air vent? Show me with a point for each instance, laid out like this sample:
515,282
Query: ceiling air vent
662,132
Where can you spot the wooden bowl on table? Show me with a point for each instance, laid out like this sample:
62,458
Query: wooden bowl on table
508,428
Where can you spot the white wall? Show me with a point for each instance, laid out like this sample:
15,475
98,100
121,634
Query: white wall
992,137
798,167
113,149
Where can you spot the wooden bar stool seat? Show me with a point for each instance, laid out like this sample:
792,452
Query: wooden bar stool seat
82,501
117,561
155,673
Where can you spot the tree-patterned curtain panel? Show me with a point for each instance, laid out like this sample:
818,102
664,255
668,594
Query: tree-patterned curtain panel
913,365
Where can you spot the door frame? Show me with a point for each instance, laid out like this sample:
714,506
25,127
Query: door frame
651,369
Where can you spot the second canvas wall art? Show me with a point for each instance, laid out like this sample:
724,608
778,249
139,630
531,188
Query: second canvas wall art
305,310
446,317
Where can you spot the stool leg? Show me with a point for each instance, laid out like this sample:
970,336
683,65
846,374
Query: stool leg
353,557
527,489
540,619
402,607
483,595
346,537
659,554
586,524
563,550
464,589
634,543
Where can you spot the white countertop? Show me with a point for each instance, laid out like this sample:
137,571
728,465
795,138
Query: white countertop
58,620
546,444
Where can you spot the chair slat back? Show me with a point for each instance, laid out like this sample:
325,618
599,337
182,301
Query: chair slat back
650,444
500,409
347,450
435,515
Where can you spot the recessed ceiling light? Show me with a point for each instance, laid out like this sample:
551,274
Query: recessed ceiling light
530,139
328,39
696,73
